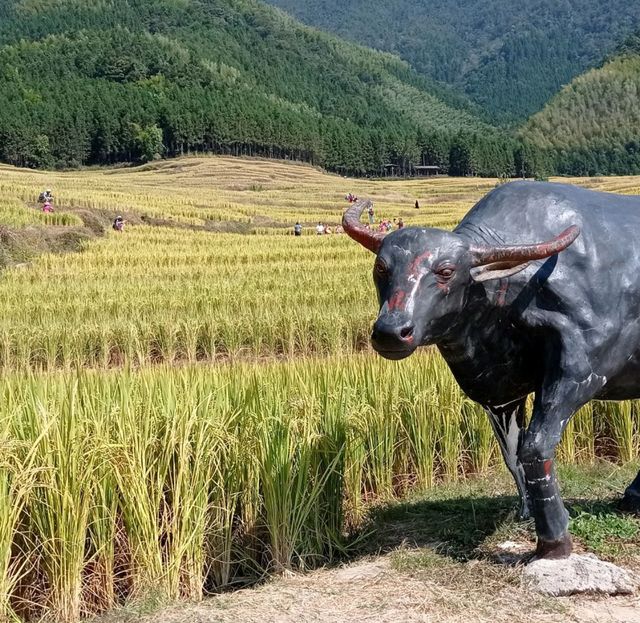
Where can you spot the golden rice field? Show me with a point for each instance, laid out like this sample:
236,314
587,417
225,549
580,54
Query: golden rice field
168,294
198,190
265,193
184,410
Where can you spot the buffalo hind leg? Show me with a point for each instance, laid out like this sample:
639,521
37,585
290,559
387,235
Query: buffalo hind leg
631,500
507,422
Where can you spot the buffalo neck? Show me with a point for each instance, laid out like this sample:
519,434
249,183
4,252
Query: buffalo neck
487,349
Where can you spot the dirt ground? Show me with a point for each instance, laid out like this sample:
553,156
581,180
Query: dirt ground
388,590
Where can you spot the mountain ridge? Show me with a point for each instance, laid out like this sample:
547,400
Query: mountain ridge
509,61
126,80
592,126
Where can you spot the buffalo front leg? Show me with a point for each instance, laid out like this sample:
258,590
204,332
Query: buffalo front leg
569,383
507,422
551,413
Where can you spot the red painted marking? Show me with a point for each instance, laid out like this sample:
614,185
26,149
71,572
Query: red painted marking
415,264
502,294
548,466
397,301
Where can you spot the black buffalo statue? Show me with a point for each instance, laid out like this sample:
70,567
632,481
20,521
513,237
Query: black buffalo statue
536,290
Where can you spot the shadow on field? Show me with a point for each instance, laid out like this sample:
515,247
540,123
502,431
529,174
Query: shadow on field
456,527
462,528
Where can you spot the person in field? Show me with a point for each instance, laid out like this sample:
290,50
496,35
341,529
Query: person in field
319,229
297,229
400,223
417,206
47,207
46,196
118,223
370,214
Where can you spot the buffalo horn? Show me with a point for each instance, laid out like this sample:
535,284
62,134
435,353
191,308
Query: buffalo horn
352,225
525,252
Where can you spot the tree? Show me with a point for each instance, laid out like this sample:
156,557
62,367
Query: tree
148,142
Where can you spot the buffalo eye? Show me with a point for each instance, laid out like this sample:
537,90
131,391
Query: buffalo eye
444,273
380,269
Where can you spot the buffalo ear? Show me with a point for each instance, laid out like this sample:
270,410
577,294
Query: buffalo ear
497,270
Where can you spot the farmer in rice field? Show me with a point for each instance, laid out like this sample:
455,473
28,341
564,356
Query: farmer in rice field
370,214
45,196
118,223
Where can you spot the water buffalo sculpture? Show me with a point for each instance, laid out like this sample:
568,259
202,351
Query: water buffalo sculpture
537,290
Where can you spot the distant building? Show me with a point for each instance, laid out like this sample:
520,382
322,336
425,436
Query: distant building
424,170
427,169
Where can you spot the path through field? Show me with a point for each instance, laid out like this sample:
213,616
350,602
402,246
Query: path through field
374,591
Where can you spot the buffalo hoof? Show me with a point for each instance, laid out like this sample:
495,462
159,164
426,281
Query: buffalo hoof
553,550
630,503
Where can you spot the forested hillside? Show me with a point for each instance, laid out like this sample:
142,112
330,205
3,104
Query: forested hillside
126,80
509,58
592,127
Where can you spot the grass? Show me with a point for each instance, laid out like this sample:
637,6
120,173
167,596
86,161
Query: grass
469,520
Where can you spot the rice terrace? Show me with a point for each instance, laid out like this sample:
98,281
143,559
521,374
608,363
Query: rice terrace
191,406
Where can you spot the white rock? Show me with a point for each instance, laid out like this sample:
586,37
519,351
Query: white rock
578,575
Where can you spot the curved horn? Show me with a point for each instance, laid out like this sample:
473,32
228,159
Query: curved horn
525,252
351,223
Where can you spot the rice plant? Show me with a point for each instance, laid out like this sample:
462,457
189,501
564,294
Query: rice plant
178,481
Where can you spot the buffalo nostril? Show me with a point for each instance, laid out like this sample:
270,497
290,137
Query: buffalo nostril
406,333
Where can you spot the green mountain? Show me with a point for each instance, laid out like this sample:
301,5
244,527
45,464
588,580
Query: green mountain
508,58
592,127
102,81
